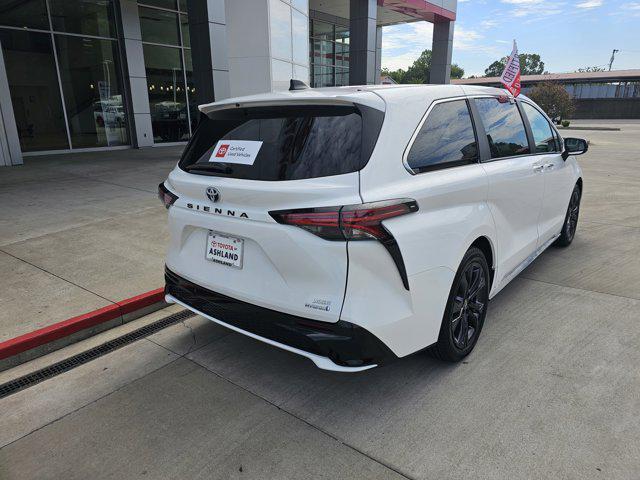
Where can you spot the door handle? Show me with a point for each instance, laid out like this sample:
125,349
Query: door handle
549,166
538,168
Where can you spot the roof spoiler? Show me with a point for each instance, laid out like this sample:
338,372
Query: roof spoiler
297,85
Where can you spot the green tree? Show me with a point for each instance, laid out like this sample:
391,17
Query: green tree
396,75
530,64
456,71
419,71
590,69
554,99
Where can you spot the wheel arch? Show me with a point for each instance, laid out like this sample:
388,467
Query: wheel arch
486,246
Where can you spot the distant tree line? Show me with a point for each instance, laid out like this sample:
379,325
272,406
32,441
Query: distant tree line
530,64
419,71
552,97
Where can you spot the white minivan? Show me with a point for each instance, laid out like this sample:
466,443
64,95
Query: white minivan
356,225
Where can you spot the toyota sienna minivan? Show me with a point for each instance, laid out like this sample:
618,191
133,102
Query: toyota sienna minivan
356,225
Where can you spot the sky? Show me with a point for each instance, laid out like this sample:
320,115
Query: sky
568,34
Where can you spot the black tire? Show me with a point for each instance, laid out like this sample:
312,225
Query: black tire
570,224
466,309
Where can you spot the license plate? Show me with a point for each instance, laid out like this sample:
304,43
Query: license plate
224,249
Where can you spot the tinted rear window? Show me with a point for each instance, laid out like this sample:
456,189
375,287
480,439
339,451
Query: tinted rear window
287,142
446,138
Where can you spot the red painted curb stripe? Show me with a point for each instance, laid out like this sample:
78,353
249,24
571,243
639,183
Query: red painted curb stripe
140,301
72,325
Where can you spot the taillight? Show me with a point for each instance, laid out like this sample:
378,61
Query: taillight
362,222
353,222
350,222
166,197
323,222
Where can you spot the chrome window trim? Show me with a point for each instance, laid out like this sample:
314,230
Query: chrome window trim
433,104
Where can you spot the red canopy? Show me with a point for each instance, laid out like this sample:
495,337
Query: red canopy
419,9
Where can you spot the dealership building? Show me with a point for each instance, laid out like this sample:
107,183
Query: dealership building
78,75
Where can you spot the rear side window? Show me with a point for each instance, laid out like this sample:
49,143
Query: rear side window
445,139
542,132
505,131
284,142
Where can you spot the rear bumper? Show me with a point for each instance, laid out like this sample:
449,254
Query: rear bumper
340,346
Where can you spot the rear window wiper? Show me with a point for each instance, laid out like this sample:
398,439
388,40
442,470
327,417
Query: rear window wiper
208,168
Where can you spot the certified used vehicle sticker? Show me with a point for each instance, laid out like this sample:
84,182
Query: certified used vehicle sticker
243,152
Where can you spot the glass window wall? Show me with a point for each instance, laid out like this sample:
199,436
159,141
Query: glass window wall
168,4
24,14
194,113
65,79
167,58
35,92
86,17
329,54
92,91
167,95
159,26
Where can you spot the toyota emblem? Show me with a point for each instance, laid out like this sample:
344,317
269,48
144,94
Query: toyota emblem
213,194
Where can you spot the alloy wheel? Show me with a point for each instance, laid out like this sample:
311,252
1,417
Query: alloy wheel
572,215
469,304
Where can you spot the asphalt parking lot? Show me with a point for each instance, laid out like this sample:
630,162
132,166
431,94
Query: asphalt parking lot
552,389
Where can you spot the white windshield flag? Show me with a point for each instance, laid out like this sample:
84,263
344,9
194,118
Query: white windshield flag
510,77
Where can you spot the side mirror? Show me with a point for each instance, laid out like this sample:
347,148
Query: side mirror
574,146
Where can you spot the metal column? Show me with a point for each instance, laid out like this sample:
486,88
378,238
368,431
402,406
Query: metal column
362,50
10,152
207,28
442,47
137,75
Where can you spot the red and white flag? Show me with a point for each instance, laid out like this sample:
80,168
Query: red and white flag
510,77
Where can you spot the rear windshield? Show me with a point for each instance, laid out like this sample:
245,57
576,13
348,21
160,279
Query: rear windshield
284,142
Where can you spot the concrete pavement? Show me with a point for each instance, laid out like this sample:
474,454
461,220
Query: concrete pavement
65,234
552,389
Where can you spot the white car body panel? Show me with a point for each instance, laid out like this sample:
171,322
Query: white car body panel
285,266
515,197
517,205
559,178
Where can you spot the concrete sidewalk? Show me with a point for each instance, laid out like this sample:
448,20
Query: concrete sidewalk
79,232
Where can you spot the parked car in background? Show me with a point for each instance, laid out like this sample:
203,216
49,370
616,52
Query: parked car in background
357,225
108,114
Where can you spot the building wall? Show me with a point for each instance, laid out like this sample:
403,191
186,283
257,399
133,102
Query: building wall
607,108
593,100
268,47
121,73
612,100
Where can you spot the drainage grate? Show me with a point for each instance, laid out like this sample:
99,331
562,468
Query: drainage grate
70,363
